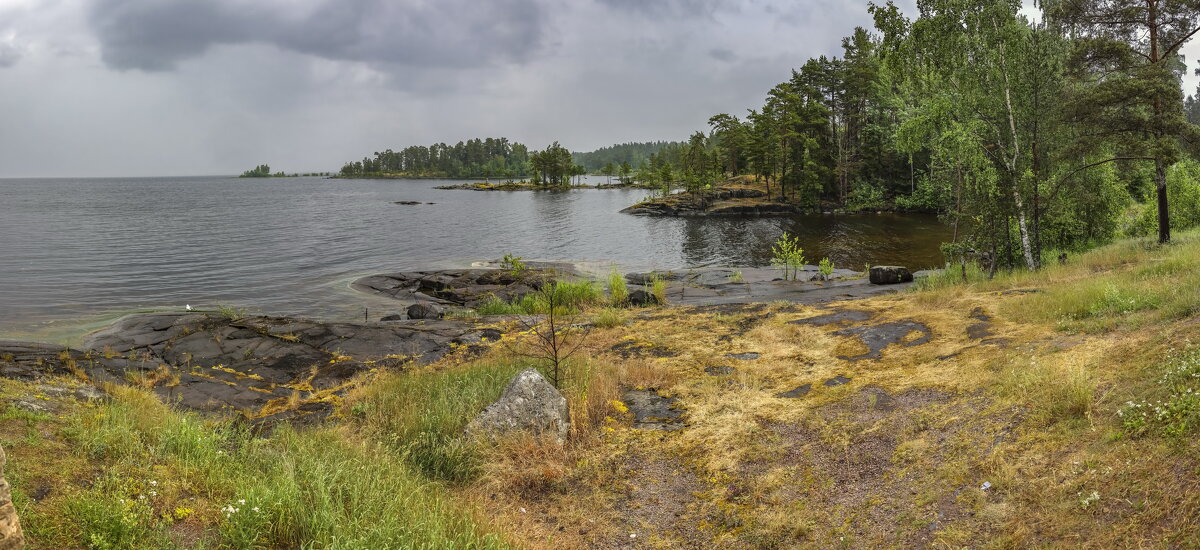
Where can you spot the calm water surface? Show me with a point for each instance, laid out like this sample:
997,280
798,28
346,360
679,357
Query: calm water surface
76,253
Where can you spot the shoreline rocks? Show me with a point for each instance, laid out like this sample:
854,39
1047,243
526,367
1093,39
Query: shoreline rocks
722,201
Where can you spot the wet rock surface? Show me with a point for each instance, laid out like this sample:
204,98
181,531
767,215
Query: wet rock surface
744,356
462,287
877,337
214,363
842,316
652,411
720,201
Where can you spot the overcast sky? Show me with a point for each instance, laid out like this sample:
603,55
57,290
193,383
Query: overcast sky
164,87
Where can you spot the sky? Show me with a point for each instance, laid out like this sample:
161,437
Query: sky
189,87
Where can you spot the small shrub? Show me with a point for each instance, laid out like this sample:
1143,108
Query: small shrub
825,267
787,255
513,264
658,288
737,277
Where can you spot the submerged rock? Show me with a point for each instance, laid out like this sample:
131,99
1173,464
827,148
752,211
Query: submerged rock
890,275
529,404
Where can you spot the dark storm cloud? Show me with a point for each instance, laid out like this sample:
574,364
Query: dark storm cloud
694,8
154,35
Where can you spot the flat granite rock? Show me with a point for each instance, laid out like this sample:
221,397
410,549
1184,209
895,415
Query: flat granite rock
458,287
652,411
877,337
835,317
215,363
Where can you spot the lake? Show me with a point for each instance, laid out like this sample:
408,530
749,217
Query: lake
76,253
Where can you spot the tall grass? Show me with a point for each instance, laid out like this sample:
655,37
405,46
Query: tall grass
618,293
313,489
422,416
573,297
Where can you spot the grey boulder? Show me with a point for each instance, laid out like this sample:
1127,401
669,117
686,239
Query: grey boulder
529,404
890,275
425,311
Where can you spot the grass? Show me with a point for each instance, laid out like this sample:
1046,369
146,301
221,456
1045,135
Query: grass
422,417
573,297
618,293
610,317
159,478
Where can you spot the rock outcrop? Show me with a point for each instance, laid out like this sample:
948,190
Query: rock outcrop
11,537
424,310
529,404
214,363
722,201
456,287
890,275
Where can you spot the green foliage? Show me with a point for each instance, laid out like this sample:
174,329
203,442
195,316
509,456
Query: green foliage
658,289
512,264
787,256
554,166
1183,194
571,297
618,293
423,417
623,154
737,277
1175,409
260,171
311,489
475,158
867,194
825,267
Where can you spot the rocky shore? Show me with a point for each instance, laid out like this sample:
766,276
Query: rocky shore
721,201
272,369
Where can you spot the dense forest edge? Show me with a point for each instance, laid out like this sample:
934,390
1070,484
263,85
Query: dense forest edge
1061,133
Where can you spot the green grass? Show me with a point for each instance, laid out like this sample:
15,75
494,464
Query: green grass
422,417
610,317
618,293
321,488
658,288
571,297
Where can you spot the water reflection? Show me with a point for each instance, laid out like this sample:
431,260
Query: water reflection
88,249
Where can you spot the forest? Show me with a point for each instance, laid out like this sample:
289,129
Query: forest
1026,136
491,157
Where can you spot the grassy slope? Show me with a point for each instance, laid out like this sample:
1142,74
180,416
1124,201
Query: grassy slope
894,458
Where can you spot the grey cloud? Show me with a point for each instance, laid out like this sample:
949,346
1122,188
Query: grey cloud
722,54
10,54
152,35
694,8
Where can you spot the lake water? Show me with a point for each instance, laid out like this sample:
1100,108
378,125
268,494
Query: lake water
76,253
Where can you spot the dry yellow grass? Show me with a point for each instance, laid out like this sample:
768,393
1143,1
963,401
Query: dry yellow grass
1029,408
